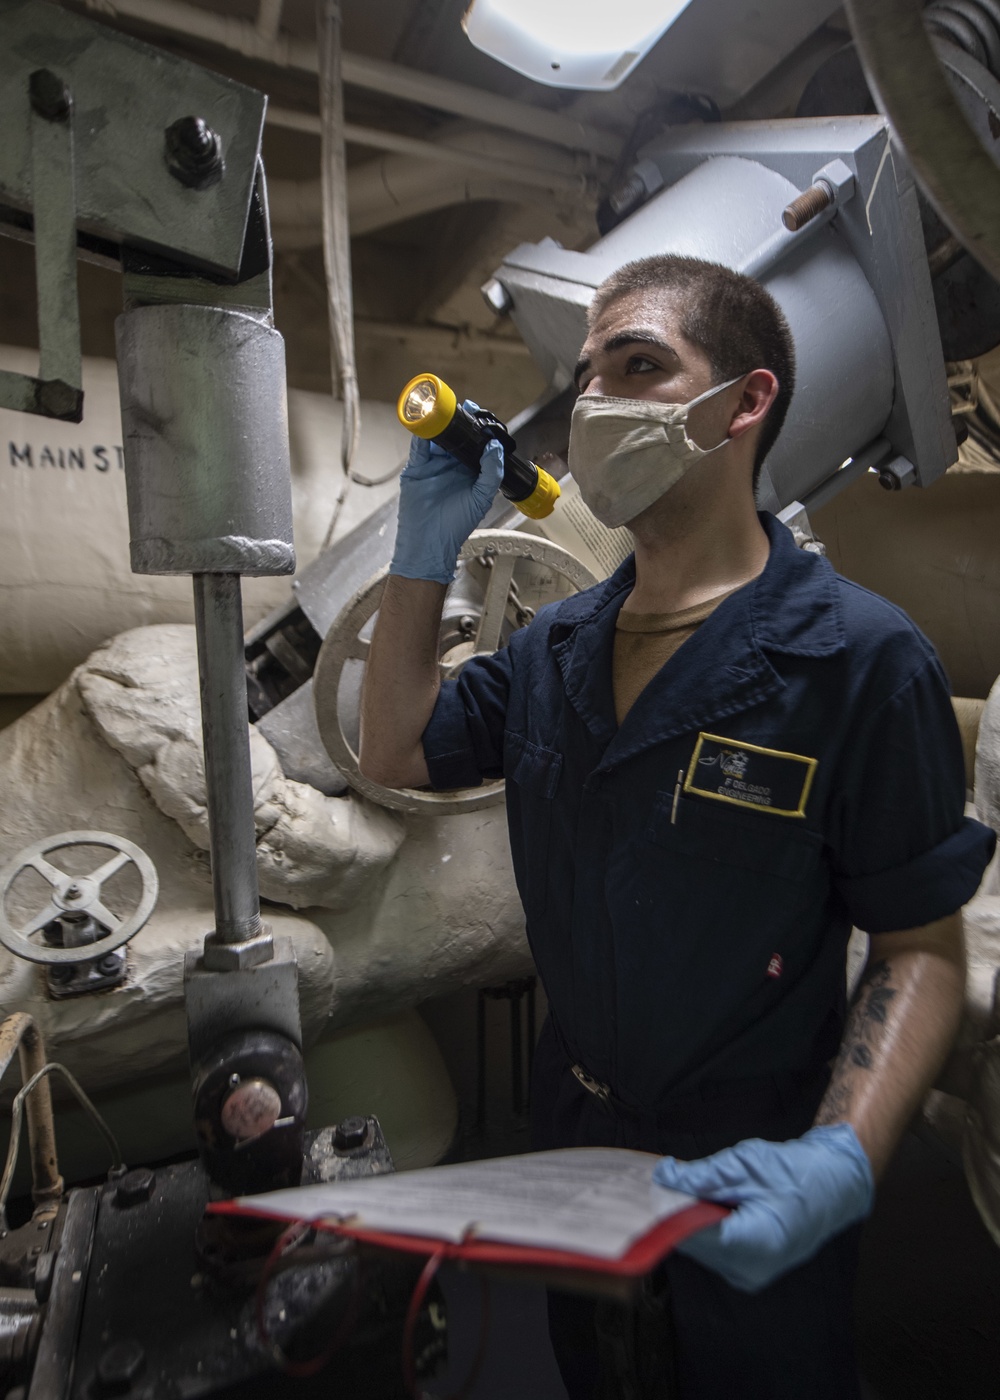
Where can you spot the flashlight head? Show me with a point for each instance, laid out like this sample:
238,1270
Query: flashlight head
426,406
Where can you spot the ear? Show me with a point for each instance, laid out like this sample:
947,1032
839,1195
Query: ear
759,391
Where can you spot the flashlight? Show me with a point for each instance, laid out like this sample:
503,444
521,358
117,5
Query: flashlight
428,408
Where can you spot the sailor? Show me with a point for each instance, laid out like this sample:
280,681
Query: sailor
717,761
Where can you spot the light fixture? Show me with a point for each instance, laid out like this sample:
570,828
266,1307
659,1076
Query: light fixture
570,43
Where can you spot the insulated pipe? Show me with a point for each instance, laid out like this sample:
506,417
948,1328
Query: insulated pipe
511,160
218,616
382,193
19,1032
395,188
394,80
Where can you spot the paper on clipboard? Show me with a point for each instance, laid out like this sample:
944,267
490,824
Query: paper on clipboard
592,1202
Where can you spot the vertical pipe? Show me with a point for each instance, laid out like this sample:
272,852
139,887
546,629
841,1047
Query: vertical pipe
218,611
20,1033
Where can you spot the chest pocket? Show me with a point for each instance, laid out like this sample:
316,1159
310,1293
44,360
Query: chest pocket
753,841
532,775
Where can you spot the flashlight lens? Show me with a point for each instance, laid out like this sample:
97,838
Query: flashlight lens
420,401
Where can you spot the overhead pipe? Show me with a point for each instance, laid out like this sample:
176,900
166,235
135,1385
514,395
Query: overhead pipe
269,19
395,188
382,193
376,75
445,337
525,162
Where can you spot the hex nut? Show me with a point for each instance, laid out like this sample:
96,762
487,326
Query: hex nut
497,297
49,95
194,152
135,1187
351,1133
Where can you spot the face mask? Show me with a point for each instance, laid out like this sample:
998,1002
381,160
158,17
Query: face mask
624,454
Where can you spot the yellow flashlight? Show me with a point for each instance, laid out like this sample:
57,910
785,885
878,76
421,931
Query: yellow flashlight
429,409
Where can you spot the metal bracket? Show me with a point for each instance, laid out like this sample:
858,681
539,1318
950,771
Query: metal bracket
265,997
57,392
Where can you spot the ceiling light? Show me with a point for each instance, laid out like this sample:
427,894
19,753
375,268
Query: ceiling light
570,43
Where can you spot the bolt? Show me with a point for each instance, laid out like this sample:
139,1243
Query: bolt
62,973
74,892
119,1365
194,152
109,964
351,1134
811,202
49,95
889,481
135,1187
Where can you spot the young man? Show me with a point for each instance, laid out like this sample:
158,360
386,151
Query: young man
716,762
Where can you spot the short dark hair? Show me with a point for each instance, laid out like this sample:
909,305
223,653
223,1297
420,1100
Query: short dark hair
730,318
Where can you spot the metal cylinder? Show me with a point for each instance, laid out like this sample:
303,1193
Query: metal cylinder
205,422
218,612
843,397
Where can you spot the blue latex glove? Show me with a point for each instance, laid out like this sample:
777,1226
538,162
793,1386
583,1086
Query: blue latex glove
789,1199
440,504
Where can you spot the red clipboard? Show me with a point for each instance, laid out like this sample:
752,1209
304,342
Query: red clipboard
640,1258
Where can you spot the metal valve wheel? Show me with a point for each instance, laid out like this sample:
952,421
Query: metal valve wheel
958,175
503,548
78,895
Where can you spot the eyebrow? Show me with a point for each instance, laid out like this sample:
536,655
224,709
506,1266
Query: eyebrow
621,339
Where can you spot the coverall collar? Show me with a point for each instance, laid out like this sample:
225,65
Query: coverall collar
791,608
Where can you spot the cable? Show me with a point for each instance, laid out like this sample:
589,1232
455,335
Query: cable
337,239
427,1276
15,1128
288,1240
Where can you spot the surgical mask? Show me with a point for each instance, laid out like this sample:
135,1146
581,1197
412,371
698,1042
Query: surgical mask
624,454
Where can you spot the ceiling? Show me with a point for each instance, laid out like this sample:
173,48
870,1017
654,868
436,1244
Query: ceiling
429,232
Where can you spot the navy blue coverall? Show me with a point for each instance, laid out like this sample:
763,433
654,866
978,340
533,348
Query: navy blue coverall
690,879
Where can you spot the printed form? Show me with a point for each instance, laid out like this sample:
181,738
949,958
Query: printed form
592,1201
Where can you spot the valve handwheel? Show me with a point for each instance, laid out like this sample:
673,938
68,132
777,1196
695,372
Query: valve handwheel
343,643
76,894
957,173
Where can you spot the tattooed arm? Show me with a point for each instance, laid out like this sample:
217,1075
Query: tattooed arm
900,1029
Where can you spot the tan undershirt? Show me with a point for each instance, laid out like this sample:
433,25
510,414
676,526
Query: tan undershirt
645,642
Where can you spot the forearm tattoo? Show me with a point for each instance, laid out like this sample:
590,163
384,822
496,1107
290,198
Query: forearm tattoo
862,1036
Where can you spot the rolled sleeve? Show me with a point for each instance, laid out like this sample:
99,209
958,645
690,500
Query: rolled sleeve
931,886
904,852
463,741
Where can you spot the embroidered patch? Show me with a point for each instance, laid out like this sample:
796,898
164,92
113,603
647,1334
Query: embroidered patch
776,966
748,776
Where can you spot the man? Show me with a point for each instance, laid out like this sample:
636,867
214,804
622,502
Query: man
716,762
